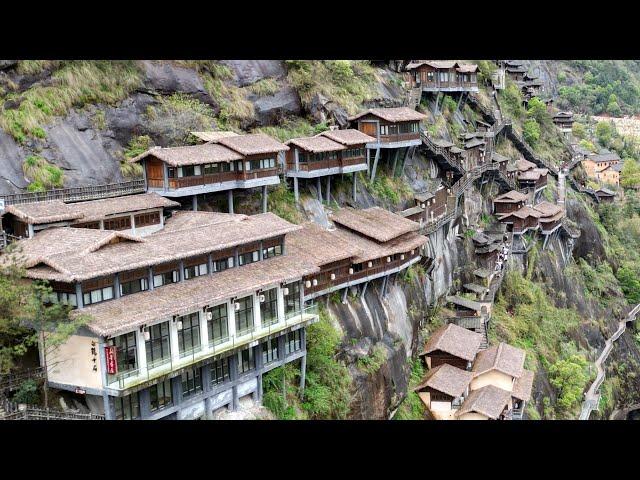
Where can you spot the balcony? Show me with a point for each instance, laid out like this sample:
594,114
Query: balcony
135,377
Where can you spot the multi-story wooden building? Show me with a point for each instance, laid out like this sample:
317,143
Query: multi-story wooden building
395,130
564,121
430,206
329,153
605,195
509,202
442,76
181,322
522,220
531,177
551,217
225,163
515,70
139,214
365,245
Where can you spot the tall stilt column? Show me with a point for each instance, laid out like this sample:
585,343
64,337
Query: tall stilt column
296,194
264,199
375,164
195,203
328,188
319,188
355,179
303,373
230,200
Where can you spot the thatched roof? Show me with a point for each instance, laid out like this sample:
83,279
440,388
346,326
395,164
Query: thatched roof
411,211
465,303
548,209
316,144
475,288
447,379
318,246
522,386
523,212
423,196
489,401
474,143
512,196
184,219
467,68
370,249
533,174
132,311
213,136
605,192
80,260
482,273
99,209
348,137
603,157
524,165
395,114
252,144
374,222
44,212
496,157
503,358
441,142
454,340
191,155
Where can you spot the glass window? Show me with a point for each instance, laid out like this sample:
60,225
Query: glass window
220,371
249,257
195,271
269,351
127,408
166,278
222,264
269,307
66,298
145,219
97,296
160,395
272,251
134,286
211,168
246,360
244,315
218,325
120,223
293,342
189,334
292,298
191,382
126,351
158,346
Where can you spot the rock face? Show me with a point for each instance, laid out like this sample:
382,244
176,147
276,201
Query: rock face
11,156
270,109
79,151
247,72
590,241
165,78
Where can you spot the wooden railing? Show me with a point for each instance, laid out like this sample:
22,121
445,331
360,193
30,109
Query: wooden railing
76,194
448,84
399,137
442,152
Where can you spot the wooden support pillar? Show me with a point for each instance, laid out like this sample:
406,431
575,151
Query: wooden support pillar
296,194
319,188
195,203
230,200
328,188
264,199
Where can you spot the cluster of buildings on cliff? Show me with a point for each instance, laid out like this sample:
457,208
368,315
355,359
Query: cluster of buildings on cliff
188,309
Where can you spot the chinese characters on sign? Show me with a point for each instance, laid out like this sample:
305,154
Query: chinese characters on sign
94,356
112,363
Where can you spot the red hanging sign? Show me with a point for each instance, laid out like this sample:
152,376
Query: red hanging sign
112,360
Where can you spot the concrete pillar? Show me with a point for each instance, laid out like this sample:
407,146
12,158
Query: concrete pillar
230,200
264,199
355,179
176,390
195,203
368,161
233,374
181,270
165,175
328,188
133,223
204,331
375,164
296,194
173,341
141,351
31,231
145,403
101,224
79,299
319,188
150,280
116,285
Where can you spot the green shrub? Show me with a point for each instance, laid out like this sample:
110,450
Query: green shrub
374,361
569,377
412,407
42,174
264,87
531,131
27,393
